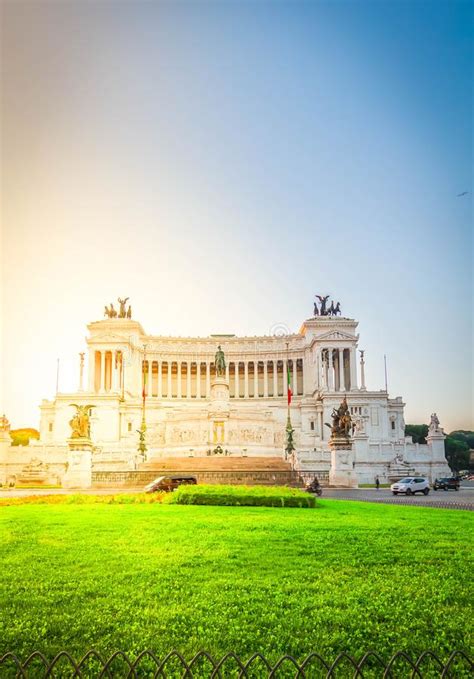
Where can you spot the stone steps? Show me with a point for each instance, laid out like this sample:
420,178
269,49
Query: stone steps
217,463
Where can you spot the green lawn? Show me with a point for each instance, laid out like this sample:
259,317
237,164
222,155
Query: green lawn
345,576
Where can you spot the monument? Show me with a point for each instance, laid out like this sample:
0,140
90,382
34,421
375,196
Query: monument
79,463
229,391
219,409
340,444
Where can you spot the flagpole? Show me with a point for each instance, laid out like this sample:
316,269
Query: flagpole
289,428
288,422
142,448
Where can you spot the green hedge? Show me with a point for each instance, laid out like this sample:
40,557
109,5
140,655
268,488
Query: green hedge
256,496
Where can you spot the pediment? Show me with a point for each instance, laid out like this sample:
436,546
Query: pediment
108,338
337,335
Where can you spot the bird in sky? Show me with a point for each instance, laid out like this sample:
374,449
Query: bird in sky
464,193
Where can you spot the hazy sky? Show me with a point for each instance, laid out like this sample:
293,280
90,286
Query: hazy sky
222,162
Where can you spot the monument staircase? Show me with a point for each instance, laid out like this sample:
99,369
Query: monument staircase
224,469
217,463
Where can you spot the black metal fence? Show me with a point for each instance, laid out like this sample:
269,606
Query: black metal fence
147,664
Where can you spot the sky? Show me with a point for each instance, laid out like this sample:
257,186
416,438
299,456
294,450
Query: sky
221,163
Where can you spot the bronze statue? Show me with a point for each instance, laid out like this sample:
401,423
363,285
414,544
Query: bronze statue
80,423
219,362
141,441
341,421
323,300
316,310
129,312
4,424
337,309
122,302
110,313
331,311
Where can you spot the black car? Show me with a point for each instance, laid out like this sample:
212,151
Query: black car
169,483
447,483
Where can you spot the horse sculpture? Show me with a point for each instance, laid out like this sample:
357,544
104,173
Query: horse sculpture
323,300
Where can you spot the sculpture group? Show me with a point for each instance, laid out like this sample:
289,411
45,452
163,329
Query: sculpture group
123,312
80,422
324,310
341,421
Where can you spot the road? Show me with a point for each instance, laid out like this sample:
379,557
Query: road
441,499
462,499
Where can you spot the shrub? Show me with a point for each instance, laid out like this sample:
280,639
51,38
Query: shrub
252,496
80,499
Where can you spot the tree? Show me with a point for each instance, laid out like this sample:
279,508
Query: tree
457,453
464,435
418,432
21,437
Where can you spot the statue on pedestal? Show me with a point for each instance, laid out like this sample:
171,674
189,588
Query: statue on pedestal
434,423
219,362
80,422
4,424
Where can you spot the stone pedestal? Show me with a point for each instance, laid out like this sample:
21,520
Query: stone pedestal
79,470
219,409
439,464
342,463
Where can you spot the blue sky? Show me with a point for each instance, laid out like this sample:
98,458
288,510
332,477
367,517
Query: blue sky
221,163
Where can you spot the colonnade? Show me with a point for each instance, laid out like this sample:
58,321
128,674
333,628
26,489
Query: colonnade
336,368
169,377
247,379
172,378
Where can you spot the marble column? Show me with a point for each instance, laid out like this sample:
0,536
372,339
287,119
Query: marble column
255,379
341,370
178,379
114,372
102,371
330,370
295,377
362,371
237,383
160,379
188,379
246,379
150,378
275,379
170,383
265,379
285,377
198,379
324,377
208,379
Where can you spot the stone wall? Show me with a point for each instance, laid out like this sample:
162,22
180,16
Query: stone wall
139,479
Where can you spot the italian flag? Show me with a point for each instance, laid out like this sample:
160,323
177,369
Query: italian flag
288,379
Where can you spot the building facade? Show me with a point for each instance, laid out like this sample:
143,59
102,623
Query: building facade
171,382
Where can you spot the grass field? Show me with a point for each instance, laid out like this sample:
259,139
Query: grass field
345,576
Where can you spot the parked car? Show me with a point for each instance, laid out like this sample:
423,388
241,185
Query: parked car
411,485
169,483
446,483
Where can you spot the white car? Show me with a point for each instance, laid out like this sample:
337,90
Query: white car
411,485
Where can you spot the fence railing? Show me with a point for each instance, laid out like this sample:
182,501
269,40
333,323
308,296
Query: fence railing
147,664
